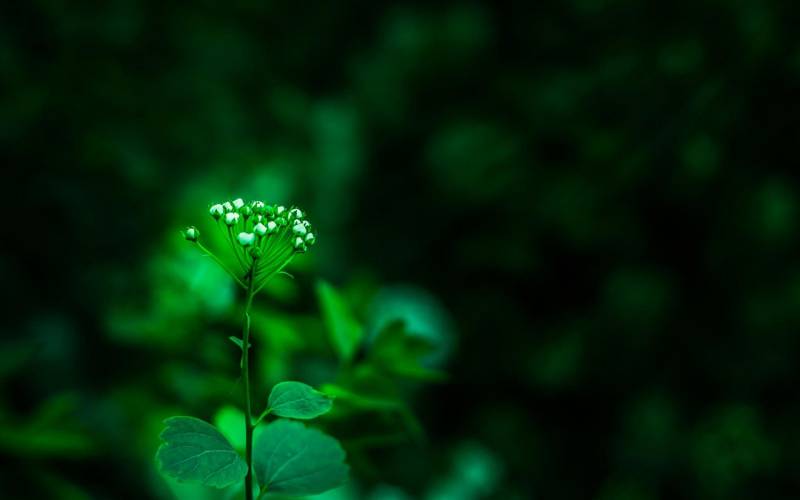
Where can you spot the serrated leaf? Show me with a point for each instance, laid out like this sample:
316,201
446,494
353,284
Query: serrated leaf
195,491
292,459
298,400
194,450
345,331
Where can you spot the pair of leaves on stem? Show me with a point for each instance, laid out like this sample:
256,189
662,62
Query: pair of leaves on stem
288,457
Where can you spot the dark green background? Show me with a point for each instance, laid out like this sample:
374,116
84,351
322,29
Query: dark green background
602,194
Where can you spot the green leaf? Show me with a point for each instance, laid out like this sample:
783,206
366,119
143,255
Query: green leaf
345,331
293,460
230,422
194,450
362,401
396,351
298,400
239,342
367,402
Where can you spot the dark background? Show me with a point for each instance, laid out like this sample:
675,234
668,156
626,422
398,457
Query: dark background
601,194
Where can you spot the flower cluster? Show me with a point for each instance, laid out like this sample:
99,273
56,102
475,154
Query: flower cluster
264,238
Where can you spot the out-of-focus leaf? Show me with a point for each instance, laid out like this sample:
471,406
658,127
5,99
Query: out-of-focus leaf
230,422
194,450
401,354
367,402
291,459
345,331
298,400
361,401
424,317
37,442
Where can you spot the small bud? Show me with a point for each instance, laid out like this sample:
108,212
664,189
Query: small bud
279,211
299,244
216,211
191,233
272,227
299,230
238,203
227,206
269,211
246,239
231,218
281,221
295,213
246,211
310,238
260,229
255,253
306,224
258,207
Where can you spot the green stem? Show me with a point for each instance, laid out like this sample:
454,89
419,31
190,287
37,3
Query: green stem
248,417
264,283
236,248
262,416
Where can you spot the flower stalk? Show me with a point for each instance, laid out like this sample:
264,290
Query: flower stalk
248,415
264,239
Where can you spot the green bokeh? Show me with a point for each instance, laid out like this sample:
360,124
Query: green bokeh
561,234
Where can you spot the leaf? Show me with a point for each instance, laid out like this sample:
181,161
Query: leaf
396,351
291,459
361,401
194,450
239,342
298,400
196,491
230,423
345,331
367,402
422,313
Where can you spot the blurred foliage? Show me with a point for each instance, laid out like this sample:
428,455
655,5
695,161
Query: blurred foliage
557,252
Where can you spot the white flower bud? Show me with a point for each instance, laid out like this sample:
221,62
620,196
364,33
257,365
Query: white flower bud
258,205
295,213
260,229
217,210
310,238
299,243
231,218
299,230
227,206
246,239
272,227
238,203
191,233
306,224
280,210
